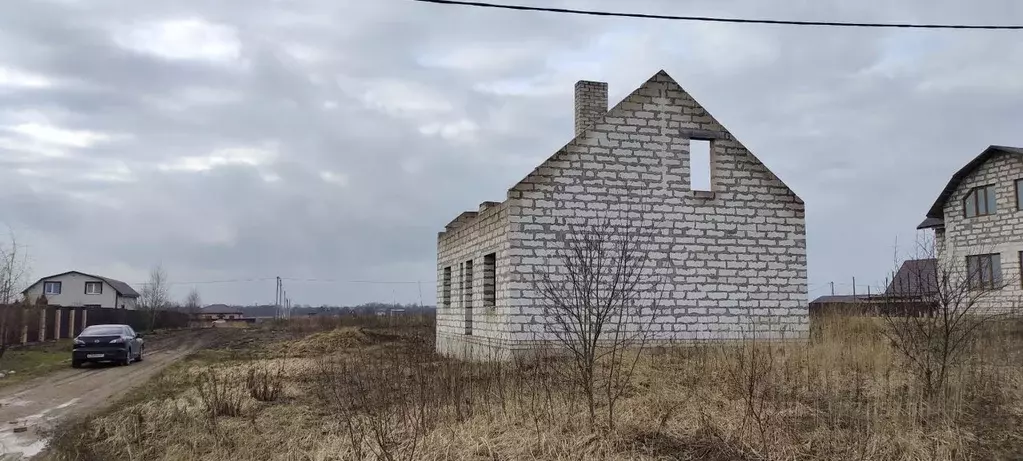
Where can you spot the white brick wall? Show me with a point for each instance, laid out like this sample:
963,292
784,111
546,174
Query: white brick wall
740,251
467,239
996,233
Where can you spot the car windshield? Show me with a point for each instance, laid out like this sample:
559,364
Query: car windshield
103,330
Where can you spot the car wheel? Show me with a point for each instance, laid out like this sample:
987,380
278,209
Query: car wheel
127,359
139,357
76,364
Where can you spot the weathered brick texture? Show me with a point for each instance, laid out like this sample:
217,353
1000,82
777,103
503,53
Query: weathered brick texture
590,104
995,233
739,251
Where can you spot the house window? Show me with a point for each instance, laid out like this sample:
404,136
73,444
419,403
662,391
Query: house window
467,295
51,288
1019,194
700,164
93,288
984,271
490,280
446,288
980,202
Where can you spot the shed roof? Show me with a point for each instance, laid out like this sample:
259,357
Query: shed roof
915,277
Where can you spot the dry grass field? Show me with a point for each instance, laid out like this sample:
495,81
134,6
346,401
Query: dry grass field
323,391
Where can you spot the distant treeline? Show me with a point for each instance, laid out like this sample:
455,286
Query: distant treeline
368,308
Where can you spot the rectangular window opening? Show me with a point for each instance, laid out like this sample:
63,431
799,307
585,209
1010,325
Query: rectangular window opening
1019,195
984,271
446,288
700,164
981,201
490,280
93,288
467,296
51,288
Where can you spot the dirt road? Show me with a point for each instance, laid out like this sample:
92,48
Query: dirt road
29,409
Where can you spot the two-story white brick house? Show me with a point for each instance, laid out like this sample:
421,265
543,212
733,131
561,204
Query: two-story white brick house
978,225
78,289
738,236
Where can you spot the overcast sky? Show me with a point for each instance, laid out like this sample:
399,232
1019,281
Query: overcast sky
332,140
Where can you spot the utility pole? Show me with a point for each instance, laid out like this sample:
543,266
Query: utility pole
854,286
832,288
277,298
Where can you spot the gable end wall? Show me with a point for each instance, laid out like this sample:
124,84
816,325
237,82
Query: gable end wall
740,255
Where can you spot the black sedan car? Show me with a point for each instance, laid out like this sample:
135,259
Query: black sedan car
107,343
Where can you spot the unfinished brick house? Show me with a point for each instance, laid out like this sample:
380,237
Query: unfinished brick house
740,243
977,221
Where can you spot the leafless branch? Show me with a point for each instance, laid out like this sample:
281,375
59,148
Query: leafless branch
594,289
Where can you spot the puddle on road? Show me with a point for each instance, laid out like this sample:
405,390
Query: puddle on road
30,442
13,445
14,402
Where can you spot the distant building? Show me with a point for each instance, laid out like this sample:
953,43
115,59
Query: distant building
841,304
916,279
914,282
74,289
220,312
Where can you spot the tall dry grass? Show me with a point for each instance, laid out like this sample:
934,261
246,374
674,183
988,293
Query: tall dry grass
844,393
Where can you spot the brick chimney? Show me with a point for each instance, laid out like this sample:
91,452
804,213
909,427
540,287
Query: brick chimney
590,103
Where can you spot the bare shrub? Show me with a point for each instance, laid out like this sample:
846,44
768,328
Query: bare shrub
751,367
593,292
217,394
381,403
935,311
265,382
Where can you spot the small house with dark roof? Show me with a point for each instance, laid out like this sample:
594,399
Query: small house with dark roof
78,289
220,312
916,279
914,282
977,221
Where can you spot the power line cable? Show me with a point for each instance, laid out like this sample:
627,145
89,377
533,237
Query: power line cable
721,19
381,282
203,282
291,279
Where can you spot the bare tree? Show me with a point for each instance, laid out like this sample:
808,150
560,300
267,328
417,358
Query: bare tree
13,269
154,296
13,272
935,308
594,290
193,302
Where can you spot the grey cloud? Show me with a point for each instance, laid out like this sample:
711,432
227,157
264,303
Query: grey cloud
421,112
